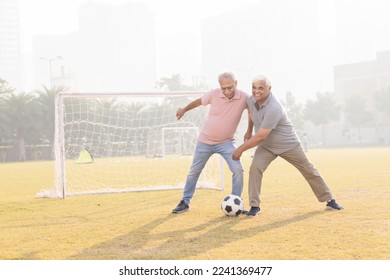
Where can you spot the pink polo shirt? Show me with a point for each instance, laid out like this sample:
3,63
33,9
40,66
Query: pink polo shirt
224,115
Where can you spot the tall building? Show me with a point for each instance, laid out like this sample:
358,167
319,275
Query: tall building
280,38
366,78
113,50
10,43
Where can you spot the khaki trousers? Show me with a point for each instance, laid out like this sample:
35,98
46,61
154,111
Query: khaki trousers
297,157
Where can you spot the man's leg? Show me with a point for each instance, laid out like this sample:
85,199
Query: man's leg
297,157
261,160
202,154
226,150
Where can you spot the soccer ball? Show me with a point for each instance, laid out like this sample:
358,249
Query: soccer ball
232,205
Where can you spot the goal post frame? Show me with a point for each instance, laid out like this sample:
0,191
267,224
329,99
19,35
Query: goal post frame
60,188
59,147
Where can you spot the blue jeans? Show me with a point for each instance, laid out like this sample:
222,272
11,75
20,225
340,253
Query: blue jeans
202,154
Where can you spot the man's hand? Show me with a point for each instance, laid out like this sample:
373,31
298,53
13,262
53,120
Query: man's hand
236,154
180,113
247,136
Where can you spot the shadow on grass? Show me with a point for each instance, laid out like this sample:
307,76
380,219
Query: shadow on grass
146,243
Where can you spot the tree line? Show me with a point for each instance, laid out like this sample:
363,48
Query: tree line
27,118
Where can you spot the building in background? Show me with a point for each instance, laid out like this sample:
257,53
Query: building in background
10,43
49,63
263,37
365,79
113,50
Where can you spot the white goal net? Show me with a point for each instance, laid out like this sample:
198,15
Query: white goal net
123,142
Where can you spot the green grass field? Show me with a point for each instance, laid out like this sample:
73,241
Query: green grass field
130,226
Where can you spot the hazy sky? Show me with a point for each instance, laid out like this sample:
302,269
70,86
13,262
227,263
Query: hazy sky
61,16
364,17
352,30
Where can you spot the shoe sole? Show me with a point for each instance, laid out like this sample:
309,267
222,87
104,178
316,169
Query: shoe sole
179,212
253,215
332,209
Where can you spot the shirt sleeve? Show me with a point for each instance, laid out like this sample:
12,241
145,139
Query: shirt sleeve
271,118
248,103
207,97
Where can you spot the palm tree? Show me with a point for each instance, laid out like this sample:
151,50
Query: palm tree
18,119
46,114
102,121
4,87
174,83
4,135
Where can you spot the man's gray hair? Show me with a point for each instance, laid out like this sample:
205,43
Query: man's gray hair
227,75
262,77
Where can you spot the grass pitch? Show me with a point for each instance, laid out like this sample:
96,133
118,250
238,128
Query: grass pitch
291,226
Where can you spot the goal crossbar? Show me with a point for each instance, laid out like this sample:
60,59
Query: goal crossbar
126,142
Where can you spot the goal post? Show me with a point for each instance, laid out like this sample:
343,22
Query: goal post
127,142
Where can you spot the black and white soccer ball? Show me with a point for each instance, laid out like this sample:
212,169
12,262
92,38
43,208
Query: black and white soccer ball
232,205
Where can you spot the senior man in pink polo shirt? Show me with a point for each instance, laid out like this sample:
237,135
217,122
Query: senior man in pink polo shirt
217,135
